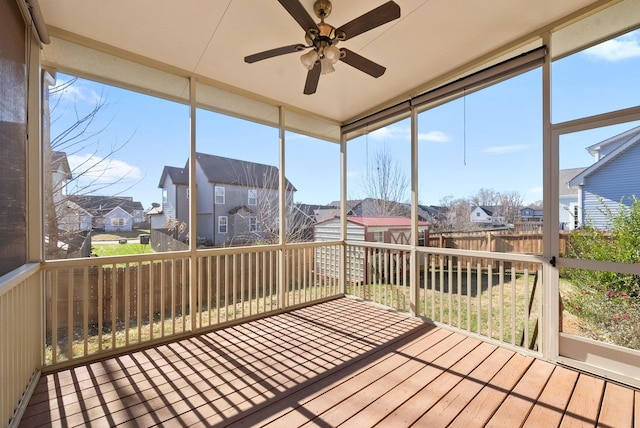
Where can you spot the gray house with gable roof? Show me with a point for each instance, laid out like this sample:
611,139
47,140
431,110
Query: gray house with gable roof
237,201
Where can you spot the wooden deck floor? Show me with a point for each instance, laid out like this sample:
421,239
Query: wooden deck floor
343,363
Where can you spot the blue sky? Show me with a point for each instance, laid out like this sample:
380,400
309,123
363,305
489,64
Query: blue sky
489,139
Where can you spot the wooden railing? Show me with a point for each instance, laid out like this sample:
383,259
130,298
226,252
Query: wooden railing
481,293
98,306
20,336
94,307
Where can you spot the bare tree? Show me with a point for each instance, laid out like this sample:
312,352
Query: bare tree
259,221
457,215
511,203
386,184
486,198
63,181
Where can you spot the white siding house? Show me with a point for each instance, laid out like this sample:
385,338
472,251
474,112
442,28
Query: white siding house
486,216
570,212
118,220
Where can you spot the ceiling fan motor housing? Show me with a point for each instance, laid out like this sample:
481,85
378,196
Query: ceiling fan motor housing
322,8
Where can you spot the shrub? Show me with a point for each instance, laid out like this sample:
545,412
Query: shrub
608,303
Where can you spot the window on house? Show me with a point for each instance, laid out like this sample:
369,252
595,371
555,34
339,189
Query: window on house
253,197
378,236
117,221
576,223
222,224
219,195
477,214
164,197
253,224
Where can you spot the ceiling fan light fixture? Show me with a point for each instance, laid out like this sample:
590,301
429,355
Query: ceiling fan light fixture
332,54
309,59
326,66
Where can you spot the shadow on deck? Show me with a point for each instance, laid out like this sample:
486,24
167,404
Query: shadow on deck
338,362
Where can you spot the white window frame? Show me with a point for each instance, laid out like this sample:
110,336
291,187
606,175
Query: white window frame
252,197
117,221
378,236
219,193
253,224
223,221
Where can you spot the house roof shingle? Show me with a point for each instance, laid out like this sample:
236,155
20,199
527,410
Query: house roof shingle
223,170
384,221
100,205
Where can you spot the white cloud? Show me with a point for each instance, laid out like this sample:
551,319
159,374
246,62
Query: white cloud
404,133
77,92
435,136
384,133
101,170
501,150
623,47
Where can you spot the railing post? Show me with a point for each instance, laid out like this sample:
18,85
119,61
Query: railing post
282,271
193,267
414,289
343,212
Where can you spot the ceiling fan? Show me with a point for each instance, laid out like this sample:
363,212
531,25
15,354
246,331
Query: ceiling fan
322,38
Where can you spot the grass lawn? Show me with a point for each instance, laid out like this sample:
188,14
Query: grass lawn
102,250
112,236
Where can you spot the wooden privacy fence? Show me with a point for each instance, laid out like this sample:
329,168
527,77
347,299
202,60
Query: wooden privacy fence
95,289
106,293
496,241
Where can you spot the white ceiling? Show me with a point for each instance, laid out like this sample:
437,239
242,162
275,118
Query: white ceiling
210,38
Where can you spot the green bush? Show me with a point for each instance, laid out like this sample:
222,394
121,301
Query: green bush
620,244
607,303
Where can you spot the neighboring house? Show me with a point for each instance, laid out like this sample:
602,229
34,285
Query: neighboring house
486,216
391,230
174,183
569,209
118,220
74,211
613,179
303,217
371,207
72,217
531,213
60,175
155,216
237,201
101,206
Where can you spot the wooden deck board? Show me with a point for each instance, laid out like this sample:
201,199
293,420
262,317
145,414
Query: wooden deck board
552,403
584,404
342,362
617,407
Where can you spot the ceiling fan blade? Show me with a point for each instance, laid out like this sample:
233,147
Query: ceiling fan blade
372,19
274,52
313,77
299,13
362,63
